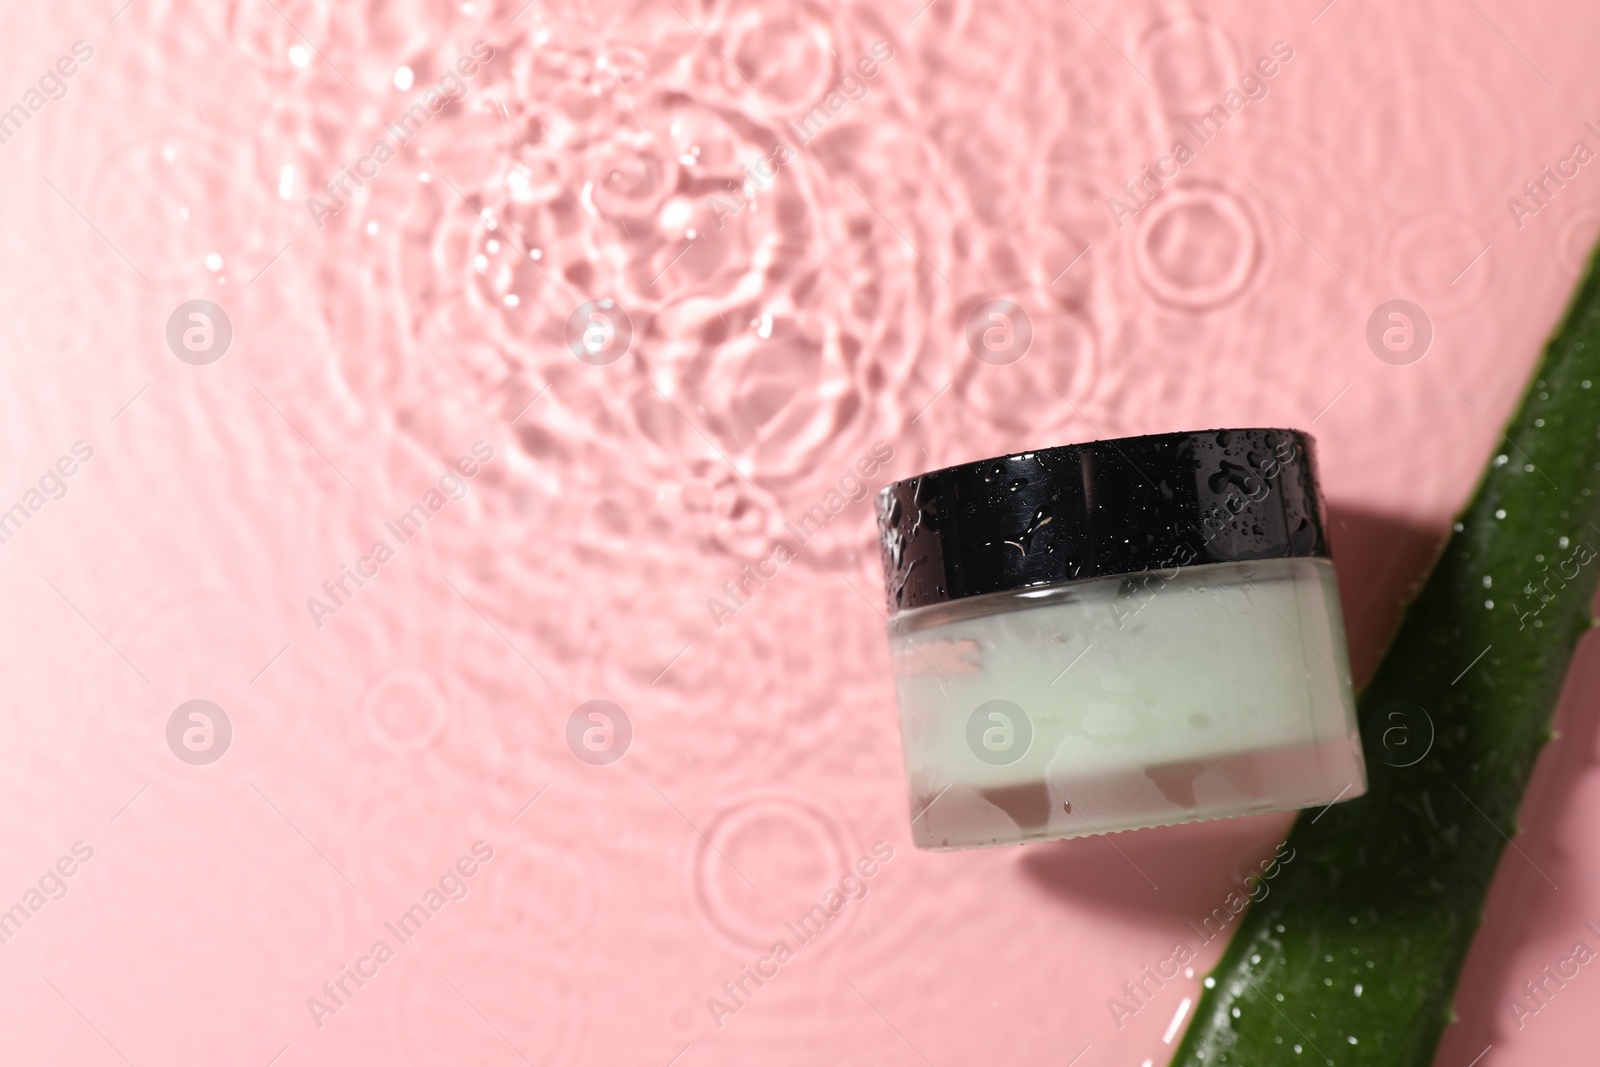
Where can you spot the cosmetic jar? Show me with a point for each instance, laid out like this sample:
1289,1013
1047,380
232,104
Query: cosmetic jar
1120,634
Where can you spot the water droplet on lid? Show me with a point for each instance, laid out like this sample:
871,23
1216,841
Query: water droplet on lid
299,55
403,78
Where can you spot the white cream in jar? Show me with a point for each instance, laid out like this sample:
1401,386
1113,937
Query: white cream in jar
1116,635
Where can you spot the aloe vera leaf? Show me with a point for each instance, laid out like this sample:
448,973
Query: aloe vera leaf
1355,953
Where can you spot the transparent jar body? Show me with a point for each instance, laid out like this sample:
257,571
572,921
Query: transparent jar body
1129,701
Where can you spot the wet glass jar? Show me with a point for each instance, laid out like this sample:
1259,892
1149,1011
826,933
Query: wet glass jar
1120,634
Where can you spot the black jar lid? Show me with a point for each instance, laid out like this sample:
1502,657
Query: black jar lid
1103,508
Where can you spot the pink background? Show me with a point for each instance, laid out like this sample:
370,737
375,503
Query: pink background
369,753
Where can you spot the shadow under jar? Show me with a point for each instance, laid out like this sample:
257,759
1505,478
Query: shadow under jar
1120,634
